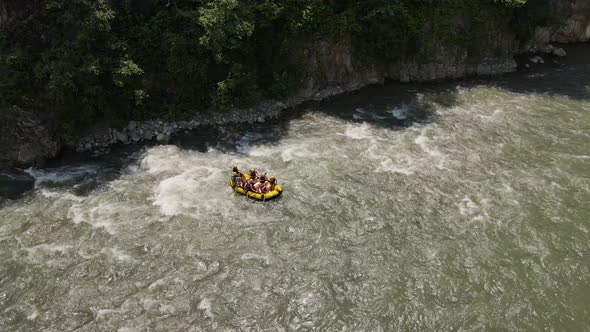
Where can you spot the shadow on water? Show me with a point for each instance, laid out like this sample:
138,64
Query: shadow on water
394,106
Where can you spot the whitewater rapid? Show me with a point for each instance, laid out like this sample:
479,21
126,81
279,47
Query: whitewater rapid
460,207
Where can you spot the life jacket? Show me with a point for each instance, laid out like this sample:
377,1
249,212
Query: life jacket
235,178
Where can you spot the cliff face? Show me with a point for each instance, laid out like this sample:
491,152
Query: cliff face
574,29
333,68
24,139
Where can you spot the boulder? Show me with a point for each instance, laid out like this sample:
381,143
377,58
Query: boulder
24,139
132,125
148,135
560,52
122,137
162,138
547,49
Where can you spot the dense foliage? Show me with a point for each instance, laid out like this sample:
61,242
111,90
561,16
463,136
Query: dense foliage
83,61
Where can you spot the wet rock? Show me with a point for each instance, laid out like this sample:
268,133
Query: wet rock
560,52
148,135
132,125
547,49
24,140
162,138
122,137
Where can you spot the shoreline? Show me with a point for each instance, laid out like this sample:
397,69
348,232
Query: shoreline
161,131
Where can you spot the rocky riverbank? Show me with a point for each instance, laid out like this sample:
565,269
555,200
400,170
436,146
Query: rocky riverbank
161,131
343,77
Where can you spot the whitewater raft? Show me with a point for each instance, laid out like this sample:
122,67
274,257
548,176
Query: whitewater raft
260,197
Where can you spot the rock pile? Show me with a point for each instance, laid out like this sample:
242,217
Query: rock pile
161,131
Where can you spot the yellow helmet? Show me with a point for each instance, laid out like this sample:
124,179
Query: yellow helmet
252,170
251,180
235,168
272,178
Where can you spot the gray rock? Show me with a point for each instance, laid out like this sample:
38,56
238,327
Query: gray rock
122,137
135,137
547,49
88,146
560,52
148,135
162,138
132,125
260,119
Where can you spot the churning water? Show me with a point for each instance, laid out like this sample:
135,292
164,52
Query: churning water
462,206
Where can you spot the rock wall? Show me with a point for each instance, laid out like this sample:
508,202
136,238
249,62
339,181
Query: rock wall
333,69
574,29
24,140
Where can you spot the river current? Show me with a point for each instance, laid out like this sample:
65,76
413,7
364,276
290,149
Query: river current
456,206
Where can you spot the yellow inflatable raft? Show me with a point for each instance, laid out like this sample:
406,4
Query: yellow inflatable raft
266,197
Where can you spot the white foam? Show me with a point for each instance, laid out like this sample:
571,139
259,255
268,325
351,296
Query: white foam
33,315
206,306
127,329
182,194
250,256
469,209
293,152
165,159
51,248
100,216
118,254
62,175
60,195
423,142
102,313
400,113
358,132
387,165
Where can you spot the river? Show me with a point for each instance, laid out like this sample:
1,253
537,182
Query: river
450,206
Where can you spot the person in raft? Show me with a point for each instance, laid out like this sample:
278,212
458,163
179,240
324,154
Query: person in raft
257,183
253,174
238,177
273,182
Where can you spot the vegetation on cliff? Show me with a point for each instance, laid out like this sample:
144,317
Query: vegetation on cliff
82,61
